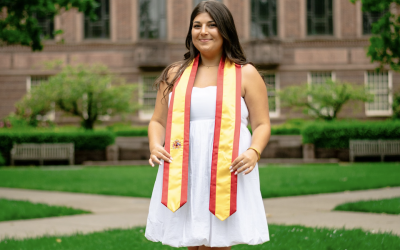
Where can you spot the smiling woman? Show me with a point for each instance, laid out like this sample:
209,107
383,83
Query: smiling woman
199,137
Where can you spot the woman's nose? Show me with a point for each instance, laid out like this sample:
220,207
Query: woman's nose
204,29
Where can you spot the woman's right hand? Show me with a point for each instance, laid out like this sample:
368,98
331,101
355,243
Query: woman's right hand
158,153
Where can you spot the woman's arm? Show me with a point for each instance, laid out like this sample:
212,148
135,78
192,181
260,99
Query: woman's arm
256,98
157,125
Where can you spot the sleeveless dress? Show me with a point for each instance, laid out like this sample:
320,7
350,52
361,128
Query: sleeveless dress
193,224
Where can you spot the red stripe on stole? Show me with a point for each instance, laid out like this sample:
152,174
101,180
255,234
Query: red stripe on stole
185,158
235,150
217,129
164,198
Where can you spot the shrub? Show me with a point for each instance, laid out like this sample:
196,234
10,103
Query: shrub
338,134
2,161
89,140
127,130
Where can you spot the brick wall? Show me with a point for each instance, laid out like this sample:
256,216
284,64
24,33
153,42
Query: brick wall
180,19
124,19
12,89
348,14
237,9
292,18
68,23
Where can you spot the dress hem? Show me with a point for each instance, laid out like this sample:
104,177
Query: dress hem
244,243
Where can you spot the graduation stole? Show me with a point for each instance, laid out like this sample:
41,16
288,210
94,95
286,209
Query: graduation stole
223,189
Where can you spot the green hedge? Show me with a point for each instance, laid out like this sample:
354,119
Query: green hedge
131,132
84,140
337,134
2,161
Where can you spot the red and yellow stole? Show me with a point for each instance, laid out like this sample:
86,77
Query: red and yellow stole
223,189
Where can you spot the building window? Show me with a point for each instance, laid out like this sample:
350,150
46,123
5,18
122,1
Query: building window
148,95
272,83
101,27
320,77
380,84
34,81
46,24
370,18
319,17
31,83
263,18
152,19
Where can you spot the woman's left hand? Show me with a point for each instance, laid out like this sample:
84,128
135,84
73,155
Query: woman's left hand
244,162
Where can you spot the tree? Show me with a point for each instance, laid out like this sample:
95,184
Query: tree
87,92
385,41
20,25
322,100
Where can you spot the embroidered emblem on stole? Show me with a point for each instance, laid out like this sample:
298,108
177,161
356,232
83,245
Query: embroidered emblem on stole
223,188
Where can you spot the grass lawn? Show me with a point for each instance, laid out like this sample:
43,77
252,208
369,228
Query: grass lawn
276,181
387,206
21,210
281,238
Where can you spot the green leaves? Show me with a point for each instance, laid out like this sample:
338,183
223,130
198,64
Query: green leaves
20,25
88,92
385,41
322,100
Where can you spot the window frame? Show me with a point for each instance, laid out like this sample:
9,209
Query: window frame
101,19
277,112
332,32
381,113
161,17
45,24
145,114
269,22
364,14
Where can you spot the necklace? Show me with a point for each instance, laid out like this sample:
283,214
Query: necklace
209,66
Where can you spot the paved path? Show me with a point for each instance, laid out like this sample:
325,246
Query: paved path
124,212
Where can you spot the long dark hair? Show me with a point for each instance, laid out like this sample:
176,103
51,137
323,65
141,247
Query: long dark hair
231,45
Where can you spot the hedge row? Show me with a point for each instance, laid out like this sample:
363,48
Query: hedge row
131,132
82,140
278,130
337,134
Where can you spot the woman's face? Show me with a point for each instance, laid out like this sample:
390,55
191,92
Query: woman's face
205,34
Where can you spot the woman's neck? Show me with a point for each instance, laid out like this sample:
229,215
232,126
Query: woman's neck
213,60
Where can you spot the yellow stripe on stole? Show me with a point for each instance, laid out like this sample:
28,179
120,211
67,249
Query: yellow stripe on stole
177,133
223,188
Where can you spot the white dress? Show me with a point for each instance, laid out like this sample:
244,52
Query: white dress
193,224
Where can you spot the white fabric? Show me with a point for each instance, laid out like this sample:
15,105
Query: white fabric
193,224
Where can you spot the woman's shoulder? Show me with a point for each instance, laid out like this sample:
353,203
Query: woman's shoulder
173,70
249,70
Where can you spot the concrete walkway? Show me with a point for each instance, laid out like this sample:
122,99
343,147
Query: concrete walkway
124,212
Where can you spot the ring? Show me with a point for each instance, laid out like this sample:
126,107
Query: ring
242,163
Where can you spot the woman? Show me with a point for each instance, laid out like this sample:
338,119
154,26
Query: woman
207,191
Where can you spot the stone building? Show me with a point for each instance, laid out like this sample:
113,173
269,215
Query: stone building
295,41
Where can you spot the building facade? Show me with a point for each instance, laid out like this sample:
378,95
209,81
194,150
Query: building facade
291,41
